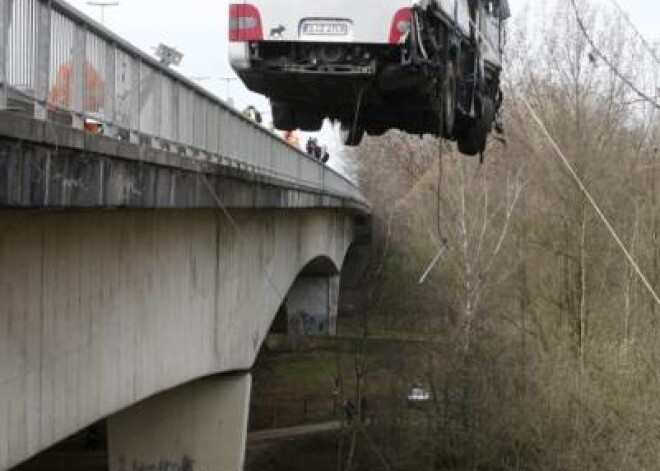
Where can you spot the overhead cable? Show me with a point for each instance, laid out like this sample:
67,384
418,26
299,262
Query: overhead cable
590,198
637,32
577,179
609,63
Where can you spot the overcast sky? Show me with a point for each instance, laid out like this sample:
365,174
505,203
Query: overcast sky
198,28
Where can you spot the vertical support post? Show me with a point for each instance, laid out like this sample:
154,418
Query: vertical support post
333,304
110,91
79,75
205,125
312,303
42,60
156,100
199,426
5,21
176,111
136,99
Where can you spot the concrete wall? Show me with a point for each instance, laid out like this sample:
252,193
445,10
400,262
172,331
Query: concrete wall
100,310
312,305
200,426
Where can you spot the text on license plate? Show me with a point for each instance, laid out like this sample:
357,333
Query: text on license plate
325,28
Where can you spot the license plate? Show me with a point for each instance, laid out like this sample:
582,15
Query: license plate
325,28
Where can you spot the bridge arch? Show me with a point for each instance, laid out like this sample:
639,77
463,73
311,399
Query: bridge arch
310,304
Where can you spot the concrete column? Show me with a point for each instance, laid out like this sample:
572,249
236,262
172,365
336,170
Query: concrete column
312,305
201,426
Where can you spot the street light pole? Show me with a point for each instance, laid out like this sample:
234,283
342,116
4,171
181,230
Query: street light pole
103,5
228,81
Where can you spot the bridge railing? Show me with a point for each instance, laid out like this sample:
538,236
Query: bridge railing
58,64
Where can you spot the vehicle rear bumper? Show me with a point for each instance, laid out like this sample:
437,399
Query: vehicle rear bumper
329,84
298,85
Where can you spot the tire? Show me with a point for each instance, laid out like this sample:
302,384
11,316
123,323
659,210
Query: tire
449,100
283,116
351,135
472,139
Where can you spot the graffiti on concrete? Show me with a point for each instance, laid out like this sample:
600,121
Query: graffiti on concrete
185,464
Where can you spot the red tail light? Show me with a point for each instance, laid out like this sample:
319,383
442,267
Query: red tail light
244,23
401,25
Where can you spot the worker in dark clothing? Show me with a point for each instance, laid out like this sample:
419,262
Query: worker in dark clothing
312,147
324,156
349,410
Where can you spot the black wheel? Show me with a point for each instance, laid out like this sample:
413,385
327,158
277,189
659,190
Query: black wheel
450,100
472,138
351,135
283,117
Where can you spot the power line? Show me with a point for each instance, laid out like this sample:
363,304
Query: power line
637,32
612,67
574,174
590,198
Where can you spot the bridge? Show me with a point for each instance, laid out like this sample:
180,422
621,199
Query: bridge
149,235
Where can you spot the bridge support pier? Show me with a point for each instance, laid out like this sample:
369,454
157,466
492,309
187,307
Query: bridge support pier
201,426
312,304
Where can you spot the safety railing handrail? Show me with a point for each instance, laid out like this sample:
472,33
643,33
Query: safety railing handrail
81,24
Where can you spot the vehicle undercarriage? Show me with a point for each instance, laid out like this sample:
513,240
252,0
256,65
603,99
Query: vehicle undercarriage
434,82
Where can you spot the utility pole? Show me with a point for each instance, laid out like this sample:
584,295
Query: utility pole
103,5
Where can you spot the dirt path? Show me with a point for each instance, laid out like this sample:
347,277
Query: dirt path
278,433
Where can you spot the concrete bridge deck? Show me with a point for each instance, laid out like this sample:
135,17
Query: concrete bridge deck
48,165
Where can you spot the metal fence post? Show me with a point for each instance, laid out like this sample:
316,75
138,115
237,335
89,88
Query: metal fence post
5,20
42,60
136,100
110,90
156,100
175,112
79,75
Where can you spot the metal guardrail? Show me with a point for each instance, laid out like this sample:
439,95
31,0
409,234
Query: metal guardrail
59,62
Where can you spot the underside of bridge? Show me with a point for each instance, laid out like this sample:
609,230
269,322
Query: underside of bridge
118,314
201,424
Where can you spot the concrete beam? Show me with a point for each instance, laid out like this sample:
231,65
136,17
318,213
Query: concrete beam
46,165
201,426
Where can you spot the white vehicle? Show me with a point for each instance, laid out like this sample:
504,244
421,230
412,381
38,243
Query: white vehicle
418,394
430,67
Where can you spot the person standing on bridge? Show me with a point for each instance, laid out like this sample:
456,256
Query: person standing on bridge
291,137
62,93
324,156
313,148
253,114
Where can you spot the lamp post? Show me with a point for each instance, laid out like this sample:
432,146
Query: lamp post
103,5
228,81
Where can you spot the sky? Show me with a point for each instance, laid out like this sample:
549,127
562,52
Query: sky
198,28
